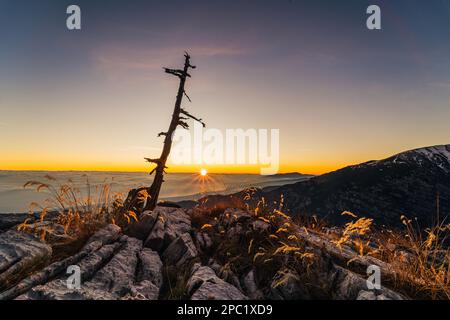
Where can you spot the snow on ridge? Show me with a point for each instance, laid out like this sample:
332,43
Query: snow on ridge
431,152
438,154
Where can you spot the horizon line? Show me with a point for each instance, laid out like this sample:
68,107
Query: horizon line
137,171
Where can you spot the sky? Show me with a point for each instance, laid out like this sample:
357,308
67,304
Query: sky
340,94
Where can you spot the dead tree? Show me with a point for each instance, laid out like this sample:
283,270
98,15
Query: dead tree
179,118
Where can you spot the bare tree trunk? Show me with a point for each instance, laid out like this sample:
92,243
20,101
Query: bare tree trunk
178,119
179,116
161,162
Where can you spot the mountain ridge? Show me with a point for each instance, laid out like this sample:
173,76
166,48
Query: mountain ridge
414,183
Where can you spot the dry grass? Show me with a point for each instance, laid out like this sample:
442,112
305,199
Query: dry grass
79,212
420,258
276,248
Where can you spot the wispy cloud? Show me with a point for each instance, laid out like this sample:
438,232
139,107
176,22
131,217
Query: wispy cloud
122,58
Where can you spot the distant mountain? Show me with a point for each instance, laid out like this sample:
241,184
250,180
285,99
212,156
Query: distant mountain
289,175
407,183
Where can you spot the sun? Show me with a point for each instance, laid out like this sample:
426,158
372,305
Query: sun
203,172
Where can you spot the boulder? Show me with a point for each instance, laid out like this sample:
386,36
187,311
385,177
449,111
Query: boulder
155,239
199,275
351,286
180,251
170,223
142,228
106,235
177,223
205,285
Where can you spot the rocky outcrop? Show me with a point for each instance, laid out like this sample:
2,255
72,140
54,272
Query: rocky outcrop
351,286
288,286
158,228
118,275
112,266
10,220
180,251
251,286
206,263
205,285
151,267
204,241
20,253
143,227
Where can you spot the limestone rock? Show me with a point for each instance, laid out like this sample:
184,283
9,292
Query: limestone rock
180,251
57,290
170,223
351,286
251,287
204,240
142,228
155,239
205,285
118,274
20,254
106,235
150,267
177,223
287,285
145,290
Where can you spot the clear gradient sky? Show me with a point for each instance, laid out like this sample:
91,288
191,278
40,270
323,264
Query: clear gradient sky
340,94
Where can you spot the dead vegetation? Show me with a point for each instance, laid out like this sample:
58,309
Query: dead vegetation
416,263
70,214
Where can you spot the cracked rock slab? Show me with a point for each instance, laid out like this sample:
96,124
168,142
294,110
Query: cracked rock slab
205,285
20,254
180,251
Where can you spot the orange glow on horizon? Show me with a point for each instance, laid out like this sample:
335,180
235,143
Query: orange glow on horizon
63,162
116,167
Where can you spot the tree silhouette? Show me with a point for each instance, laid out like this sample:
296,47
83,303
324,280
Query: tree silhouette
137,197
